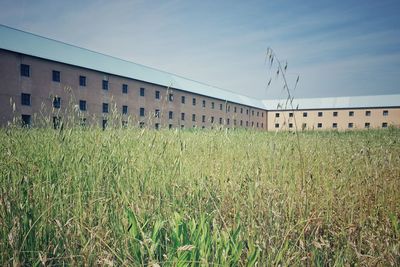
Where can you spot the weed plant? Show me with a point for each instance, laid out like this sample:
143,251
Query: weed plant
142,197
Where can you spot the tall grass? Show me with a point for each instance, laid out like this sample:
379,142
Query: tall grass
219,198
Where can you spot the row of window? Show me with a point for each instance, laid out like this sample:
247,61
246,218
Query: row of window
26,121
26,101
335,113
56,77
350,125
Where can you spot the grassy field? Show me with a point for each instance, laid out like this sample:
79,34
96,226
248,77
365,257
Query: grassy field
218,198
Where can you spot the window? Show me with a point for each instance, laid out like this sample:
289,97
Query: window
124,124
304,126
228,109
104,124
220,120
290,125
319,125
157,126
241,110
171,97
384,125
203,118
335,114
105,85
262,114
25,99
141,112
247,112
194,101
83,122
212,119
56,122
183,99
157,94
247,124
334,125
367,125
57,102
258,113
276,125
182,116
351,113
276,115
170,115
228,121
305,114
56,76
26,120
105,107
350,125
124,109
252,123
257,124
124,88
25,71
141,124
368,113
193,117
182,126
234,109
385,113
290,114
142,91
252,112
82,105
212,105
204,104
220,106
157,113
82,80
170,126
320,113
241,123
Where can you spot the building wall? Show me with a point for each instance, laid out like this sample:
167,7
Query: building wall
346,119
43,90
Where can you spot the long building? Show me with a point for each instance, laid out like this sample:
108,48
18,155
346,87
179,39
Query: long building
42,79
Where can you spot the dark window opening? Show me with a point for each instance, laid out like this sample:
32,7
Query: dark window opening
105,85
82,80
25,99
105,107
25,70
26,120
82,105
56,122
124,109
56,76
57,102
124,88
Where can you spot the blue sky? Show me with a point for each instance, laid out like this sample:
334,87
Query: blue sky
339,48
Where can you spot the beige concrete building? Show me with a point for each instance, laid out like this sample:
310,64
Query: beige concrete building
338,113
46,81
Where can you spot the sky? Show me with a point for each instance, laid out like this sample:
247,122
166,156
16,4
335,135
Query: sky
337,48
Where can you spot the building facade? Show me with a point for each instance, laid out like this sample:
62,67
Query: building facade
46,81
